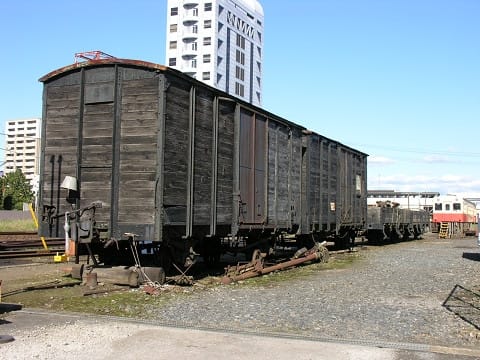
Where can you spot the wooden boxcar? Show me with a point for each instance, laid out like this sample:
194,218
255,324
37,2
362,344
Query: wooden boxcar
186,166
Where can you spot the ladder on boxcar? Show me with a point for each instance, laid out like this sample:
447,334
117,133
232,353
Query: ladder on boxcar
444,230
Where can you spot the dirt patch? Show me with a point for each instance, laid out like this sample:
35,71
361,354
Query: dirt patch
50,286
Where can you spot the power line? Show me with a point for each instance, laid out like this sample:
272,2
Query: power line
420,151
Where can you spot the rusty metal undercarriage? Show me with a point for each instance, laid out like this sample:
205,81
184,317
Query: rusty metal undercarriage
258,266
136,275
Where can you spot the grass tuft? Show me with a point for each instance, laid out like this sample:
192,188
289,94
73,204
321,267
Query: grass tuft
23,225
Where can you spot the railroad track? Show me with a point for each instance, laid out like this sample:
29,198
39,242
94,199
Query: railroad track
26,253
27,244
8,236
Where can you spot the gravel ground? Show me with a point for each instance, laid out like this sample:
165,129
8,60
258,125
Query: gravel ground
412,300
424,292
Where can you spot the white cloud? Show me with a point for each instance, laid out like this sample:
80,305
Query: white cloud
436,159
381,160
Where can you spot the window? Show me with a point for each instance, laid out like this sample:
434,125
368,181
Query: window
173,28
206,58
194,63
207,24
195,29
208,7
240,41
173,45
239,89
457,206
206,75
240,73
447,207
438,206
174,11
195,12
172,62
240,57
207,41
194,46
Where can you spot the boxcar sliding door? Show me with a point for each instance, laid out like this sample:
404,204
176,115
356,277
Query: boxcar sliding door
252,168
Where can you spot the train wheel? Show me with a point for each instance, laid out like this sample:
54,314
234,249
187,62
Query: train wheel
211,251
375,237
163,258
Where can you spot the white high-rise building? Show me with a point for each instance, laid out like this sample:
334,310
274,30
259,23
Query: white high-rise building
219,42
22,148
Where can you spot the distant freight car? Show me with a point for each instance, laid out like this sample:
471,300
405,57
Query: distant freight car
146,152
388,222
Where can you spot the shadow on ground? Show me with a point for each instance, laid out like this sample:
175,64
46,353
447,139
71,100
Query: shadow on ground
471,256
464,303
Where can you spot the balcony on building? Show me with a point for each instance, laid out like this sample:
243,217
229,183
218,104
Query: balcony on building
189,69
192,74
188,4
188,53
190,19
189,35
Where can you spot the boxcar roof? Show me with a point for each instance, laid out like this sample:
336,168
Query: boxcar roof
94,63
162,68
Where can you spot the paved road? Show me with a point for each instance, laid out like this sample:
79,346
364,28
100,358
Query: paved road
43,335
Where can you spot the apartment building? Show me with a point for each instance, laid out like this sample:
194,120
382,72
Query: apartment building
22,148
219,42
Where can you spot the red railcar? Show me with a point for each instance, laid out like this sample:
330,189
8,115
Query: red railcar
457,211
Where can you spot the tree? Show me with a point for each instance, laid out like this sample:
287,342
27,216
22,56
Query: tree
15,190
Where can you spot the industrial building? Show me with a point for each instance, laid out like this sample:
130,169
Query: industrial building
406,200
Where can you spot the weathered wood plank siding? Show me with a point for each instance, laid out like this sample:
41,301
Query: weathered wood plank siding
59,151
138,149
203,134
325,207
350,184
295,175
176,152
96,140
313,169
278,175
226,116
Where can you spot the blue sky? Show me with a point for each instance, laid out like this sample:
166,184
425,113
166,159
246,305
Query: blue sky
396,79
